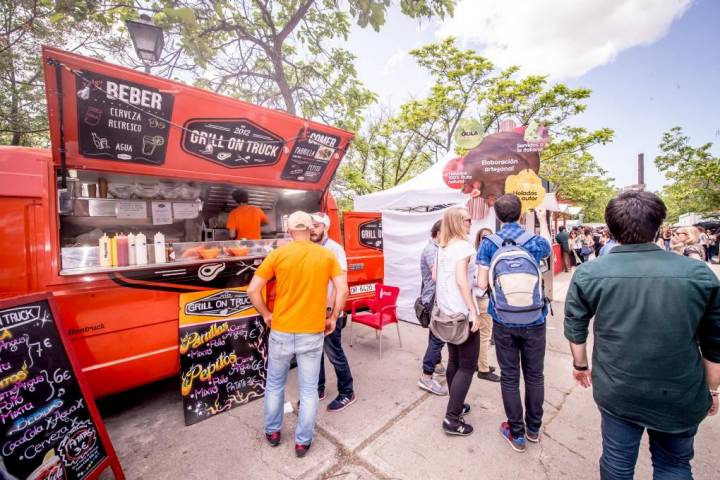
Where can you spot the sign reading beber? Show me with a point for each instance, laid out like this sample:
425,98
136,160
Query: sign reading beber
223,352
121,120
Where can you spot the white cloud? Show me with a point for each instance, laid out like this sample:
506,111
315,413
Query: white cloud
560,38
395,60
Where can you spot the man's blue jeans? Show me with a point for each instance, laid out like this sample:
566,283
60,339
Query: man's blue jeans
433,353
671,452
307,349
335,353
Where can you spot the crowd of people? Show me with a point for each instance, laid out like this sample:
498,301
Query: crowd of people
582,243
656,361
656,357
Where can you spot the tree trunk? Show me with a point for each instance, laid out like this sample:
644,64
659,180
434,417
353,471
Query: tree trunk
14,111
282,82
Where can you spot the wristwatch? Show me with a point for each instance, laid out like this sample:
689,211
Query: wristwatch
580,369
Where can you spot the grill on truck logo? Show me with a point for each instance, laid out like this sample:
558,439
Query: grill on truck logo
233,143
221,304
370,234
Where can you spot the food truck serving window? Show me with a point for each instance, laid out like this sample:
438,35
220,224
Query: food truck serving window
110,221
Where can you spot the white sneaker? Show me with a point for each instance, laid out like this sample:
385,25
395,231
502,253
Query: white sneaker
432,386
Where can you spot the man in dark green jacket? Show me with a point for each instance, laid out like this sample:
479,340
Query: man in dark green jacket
656,359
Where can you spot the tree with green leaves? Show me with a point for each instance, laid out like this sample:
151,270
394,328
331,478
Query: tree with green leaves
285,54
25,26
277,53
693,174
393,148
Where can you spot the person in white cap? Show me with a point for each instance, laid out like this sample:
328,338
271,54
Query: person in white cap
297,323
333,342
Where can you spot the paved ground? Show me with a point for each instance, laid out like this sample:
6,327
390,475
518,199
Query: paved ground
392,431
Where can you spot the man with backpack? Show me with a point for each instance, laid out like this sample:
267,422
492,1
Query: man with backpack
509,264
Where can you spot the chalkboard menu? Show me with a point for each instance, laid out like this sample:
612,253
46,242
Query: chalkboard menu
49,426
234,143
310,156
223,352
370,234
121,120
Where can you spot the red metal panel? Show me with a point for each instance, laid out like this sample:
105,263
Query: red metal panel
189,103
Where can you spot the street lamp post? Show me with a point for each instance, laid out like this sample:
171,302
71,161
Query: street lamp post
147,39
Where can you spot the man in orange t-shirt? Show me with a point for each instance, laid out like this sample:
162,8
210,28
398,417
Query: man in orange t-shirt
245,220
298,324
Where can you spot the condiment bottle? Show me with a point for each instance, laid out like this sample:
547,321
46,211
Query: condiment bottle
159,242
122,250
141,249
105,255
113,251
131,249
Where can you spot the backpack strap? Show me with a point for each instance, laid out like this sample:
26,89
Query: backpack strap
524,238
496,239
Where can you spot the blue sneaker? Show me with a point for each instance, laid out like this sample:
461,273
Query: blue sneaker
532,436
341,403
516,443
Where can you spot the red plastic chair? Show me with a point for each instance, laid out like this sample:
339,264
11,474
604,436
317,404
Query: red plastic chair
382,312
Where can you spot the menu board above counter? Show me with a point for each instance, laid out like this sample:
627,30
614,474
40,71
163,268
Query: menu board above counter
121,120
310,156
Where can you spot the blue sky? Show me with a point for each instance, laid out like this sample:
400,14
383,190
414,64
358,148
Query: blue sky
651,64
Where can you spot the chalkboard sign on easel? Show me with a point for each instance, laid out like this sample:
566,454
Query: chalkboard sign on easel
49,425
223,352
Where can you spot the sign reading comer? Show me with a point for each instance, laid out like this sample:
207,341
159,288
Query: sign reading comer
121,120
234,143
310,156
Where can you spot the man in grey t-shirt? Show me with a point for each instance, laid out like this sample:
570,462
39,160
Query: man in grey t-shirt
433,354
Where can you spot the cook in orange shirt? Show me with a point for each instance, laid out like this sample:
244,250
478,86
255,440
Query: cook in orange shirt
302,270
245,220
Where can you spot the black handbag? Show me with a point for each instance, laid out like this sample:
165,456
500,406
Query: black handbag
422,312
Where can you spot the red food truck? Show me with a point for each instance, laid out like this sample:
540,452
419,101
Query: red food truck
154,160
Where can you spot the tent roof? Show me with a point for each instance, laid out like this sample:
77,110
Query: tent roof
426,189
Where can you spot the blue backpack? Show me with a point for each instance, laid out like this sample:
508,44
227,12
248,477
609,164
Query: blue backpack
515,281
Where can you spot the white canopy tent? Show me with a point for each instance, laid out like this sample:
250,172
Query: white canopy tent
408,212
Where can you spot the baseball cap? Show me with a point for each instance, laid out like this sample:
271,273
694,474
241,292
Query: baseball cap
299,221
320,217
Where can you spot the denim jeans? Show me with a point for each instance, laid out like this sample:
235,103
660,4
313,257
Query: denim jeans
433,353
671,452
307,349
335,353
521,348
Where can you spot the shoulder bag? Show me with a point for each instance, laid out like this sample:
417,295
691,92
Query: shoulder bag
453,328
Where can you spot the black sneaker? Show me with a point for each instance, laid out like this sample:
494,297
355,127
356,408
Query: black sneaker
532,436
273,438
489,376
301,450
457,428
341,403
466,409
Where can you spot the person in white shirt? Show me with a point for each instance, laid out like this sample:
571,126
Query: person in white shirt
453,296
333,349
